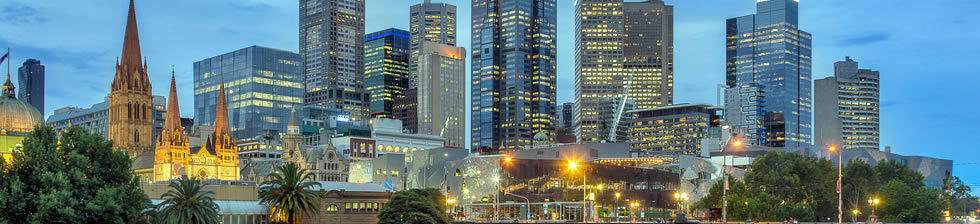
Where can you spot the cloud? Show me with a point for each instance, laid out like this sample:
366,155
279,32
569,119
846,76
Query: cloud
20,14
864,39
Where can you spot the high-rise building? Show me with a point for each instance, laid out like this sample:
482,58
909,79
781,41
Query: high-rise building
385,69
331,42
769,51
847,107
672,129
513,72
442,92
621,48
130,102
406,110
613,115
30,76
434,22
566,115
263,83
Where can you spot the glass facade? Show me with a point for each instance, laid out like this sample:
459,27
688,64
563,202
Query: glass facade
30,77
331,42
262,84
621,48
386,57
442,92
434,22
673,129
512,73
769,51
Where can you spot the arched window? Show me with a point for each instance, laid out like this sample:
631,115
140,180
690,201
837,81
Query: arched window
136,136
332,208
129,107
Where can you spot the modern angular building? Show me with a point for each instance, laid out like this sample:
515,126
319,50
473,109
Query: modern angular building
621,48
847,107
385,69
672,129
331,43
30,76
513,72
264,84
769,51
434,22
613,115
442,92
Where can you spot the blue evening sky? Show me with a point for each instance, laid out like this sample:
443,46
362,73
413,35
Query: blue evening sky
927,52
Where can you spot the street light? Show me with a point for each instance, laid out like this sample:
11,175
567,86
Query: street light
496,197
572,166
840,197
617,206
681,201
724,163
874,204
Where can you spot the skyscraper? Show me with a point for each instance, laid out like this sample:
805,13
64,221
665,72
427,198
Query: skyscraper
767,50
847,107
435,22
331,42
30,76
264,85
621,48
513,72
442,92
566,115
386,69
130,102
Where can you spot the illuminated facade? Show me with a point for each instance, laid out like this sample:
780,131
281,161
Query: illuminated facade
331,42
675,129
768,50
96,118
217,158
442,92
434,22
30,76
263,85
385,69
613,116
620,44
130,102
17,121
847,112
406,110
512,73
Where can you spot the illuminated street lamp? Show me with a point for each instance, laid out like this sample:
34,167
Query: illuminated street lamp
840,197
681,201
724,197
617,206
572,167
874,204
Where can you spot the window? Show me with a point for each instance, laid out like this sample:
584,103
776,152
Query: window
332,208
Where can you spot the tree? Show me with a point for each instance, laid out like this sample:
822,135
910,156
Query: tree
902,203
289,190
958,196
414,206
186,202
77,178
799,182
889,170
860,184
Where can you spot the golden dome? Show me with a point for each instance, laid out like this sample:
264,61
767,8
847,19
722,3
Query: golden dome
16,115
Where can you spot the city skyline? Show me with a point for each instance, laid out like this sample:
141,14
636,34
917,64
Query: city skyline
909,84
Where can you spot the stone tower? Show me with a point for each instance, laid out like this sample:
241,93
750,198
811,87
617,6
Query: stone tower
172,152
223,142
130,101
290,150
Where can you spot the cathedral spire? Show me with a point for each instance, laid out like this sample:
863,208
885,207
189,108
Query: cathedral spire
131,44
171,121
221,116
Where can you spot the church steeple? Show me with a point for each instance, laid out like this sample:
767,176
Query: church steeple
131,44
171,123
221,117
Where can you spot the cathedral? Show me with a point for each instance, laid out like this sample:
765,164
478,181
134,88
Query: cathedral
217,158
131,124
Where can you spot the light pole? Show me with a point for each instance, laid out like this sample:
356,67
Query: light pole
528,204
496,198
572,166
633,206
681,203
840,197
874,204
724,163
617,206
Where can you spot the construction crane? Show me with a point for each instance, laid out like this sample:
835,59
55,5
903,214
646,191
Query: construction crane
621,107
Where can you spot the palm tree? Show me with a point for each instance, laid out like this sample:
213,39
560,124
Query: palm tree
288,190
185,202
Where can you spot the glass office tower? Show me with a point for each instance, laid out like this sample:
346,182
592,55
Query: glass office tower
769,51
262,86
386,72
434,22
30,77
512,72
331,41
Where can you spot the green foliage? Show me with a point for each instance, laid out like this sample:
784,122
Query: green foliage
79,179
958,195
186,202
289,190
415,206
910,205
783,185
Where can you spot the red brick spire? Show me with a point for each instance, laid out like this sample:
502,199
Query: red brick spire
221,117
171,122
131,44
